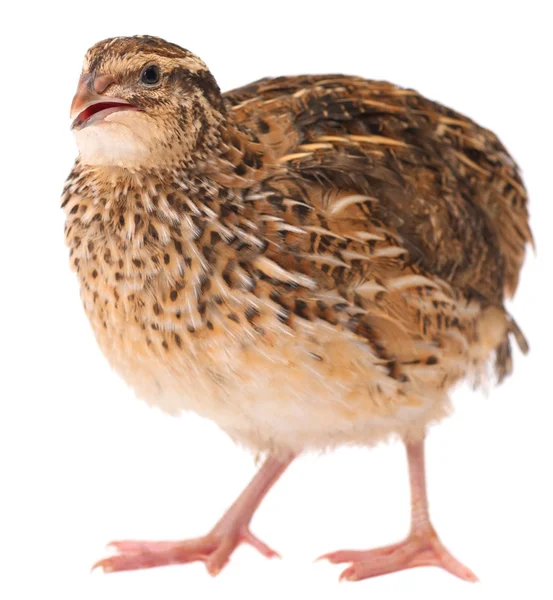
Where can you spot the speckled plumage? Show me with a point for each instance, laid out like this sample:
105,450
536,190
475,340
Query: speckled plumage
307,261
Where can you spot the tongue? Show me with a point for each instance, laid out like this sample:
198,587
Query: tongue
94,108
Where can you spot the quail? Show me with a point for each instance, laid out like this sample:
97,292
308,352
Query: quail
308,261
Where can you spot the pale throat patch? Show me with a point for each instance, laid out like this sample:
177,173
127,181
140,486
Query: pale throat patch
117,140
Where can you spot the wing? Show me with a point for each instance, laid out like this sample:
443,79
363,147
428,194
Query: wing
446,188
410,220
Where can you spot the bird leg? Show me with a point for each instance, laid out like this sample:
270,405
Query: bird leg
422,547
215,548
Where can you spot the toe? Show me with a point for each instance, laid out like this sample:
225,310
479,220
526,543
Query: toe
249,538
443,558
341,556
221,555
353,556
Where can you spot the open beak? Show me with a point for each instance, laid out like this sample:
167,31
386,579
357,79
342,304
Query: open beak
89,106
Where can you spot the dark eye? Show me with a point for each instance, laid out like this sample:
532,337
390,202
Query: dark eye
151,75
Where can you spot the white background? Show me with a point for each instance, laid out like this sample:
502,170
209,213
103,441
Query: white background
83,462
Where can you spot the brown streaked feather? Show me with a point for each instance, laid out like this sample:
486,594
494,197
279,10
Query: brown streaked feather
332,251
447,186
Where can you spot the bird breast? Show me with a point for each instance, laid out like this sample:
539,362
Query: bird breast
145,276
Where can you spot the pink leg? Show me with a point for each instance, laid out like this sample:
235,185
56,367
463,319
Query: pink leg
422,547
214,548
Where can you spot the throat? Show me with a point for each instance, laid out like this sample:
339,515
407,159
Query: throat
160,248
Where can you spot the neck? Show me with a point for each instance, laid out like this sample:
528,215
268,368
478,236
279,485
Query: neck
143,216
224,152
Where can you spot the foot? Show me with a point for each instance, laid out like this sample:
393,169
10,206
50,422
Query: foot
417,550
213,549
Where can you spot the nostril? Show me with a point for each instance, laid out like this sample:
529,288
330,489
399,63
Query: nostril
102,82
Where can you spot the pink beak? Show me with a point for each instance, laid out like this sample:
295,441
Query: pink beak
89,102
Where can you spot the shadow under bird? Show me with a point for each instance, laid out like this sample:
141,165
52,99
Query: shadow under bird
307,261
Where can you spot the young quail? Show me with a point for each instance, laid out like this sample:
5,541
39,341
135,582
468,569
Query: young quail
308,261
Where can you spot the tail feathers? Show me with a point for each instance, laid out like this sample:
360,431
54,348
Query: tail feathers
503,354
519,336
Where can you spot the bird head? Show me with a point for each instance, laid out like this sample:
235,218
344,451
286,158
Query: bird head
142,102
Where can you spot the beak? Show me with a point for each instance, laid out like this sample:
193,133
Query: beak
89,102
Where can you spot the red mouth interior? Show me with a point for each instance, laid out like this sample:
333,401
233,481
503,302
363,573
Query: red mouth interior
95,108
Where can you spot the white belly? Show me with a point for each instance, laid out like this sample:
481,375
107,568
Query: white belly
315,389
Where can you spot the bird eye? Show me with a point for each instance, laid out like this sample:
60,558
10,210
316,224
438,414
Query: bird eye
150,75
